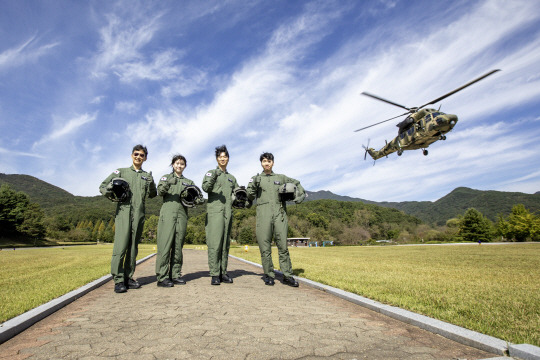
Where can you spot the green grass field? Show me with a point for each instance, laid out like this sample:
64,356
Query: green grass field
492,289
32,277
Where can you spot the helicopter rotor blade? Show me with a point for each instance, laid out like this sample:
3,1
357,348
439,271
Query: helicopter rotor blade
395,117
460,88
386,101
366,147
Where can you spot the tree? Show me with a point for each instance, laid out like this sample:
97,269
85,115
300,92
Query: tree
520,226
245,236
18,215
474,226
12,207
150,229
32,224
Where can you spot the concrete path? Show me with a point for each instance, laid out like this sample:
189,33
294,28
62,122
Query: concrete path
244,320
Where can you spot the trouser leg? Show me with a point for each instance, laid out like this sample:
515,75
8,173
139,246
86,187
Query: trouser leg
214,240
176,250
226,245
122,237
131,261
165,240
264,239
280,236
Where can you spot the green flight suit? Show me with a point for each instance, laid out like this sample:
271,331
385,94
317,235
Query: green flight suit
171,229
219,185
129,220
272,219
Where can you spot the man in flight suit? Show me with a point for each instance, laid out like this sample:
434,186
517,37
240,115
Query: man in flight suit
129,220
219,184
272,218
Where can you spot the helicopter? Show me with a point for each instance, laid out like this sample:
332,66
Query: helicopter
421,128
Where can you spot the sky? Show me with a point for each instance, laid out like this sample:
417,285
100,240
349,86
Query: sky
82,82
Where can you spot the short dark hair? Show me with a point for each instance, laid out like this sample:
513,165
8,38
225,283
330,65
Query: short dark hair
140,148
178,157
221,149
267,156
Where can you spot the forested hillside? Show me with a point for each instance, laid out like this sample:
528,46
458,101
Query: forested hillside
489,203
323,217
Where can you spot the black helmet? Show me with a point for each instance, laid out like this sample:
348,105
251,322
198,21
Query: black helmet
287,192
190,196
240,198
120,190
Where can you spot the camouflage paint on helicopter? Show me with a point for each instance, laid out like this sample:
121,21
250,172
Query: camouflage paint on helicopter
421,128
418,131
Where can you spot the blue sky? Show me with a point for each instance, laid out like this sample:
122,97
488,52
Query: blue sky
81,82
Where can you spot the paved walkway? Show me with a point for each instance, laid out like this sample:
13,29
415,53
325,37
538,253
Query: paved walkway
244,320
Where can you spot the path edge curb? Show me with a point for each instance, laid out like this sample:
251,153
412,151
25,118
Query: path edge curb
22,322
450,331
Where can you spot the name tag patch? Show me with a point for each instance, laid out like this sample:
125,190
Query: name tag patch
277,182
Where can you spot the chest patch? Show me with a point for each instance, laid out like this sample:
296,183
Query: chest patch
144,178
229,180
277,182
185,184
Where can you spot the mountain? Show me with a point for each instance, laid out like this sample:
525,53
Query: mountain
58,202
490,203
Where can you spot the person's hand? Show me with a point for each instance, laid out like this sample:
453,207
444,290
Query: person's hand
171,181
216,173
257,180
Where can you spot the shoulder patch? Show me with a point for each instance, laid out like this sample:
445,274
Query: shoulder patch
116,172
251,180
208,174
163,178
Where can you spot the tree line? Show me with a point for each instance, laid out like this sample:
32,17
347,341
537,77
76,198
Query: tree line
342,222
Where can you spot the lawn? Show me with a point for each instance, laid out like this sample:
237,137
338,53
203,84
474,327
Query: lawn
492,289
31,277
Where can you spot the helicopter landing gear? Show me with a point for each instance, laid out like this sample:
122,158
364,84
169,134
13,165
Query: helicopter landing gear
442,137
400,152
425,152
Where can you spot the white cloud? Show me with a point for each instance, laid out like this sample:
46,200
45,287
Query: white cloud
27,52
64,128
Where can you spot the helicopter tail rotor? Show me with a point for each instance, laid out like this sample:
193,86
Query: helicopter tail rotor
366,148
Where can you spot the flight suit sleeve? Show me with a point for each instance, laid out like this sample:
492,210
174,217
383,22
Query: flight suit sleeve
164,185
209,180
252,187
103,187
152,190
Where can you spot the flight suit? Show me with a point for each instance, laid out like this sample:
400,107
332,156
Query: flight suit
272,219
129,220
219,185
171,229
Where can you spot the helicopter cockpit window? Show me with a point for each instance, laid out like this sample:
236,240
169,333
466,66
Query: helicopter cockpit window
410,131
435,114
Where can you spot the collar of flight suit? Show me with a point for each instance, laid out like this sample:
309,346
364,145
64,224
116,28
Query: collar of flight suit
133,168
180,177
226,172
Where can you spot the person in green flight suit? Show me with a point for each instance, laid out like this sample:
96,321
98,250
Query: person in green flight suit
272,218
219,184
172,224
129,219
